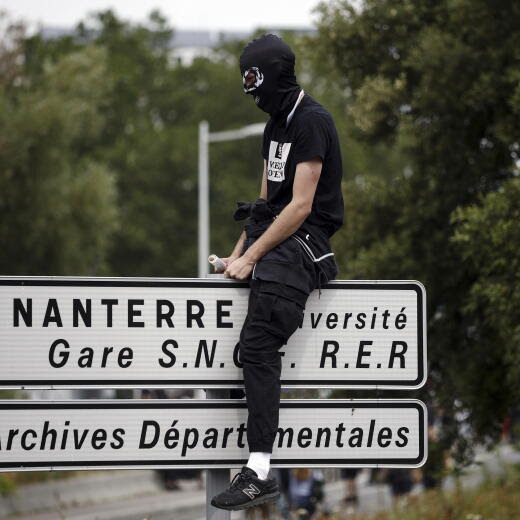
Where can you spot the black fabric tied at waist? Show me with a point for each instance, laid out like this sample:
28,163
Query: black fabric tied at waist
303,261
260,214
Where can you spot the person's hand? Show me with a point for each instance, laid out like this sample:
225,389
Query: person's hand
240,269
227,261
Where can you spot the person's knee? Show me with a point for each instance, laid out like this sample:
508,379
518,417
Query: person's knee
259,346
272,319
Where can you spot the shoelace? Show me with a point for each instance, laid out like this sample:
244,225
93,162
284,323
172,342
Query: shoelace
237,479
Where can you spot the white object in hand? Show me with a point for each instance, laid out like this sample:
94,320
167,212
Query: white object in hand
217,263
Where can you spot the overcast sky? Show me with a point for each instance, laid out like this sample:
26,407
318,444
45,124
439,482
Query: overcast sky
183,14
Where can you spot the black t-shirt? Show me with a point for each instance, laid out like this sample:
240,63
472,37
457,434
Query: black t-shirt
310,134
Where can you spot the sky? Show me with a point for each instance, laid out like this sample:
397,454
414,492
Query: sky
240,15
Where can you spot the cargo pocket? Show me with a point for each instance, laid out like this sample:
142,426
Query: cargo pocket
287,316
277,314
262,308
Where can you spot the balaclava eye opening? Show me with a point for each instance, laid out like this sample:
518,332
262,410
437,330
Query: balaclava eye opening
267,67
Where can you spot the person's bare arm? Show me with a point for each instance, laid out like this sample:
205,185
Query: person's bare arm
263,188
289,220
237,250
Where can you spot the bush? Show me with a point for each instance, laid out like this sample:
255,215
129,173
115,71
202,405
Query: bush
495,499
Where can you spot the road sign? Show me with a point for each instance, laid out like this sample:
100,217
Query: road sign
145,333
208,434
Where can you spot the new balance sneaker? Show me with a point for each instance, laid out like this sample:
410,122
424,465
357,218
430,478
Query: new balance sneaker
246,490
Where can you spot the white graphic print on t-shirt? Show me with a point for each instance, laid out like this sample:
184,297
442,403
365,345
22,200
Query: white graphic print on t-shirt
278,153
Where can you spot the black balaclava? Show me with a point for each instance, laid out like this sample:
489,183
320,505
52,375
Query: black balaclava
267,67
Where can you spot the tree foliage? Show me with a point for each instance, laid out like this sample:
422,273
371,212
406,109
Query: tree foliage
57,205
487,235
151,142
437,81
128,121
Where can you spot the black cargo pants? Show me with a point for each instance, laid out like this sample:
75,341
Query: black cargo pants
281,282
275,312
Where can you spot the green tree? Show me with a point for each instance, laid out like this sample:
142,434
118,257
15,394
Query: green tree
152,107
487,235
57,207
437,81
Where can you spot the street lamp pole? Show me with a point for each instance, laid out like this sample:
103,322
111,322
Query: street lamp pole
203,248
205,137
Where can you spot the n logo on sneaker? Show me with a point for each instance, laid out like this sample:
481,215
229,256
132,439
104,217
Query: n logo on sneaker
251,491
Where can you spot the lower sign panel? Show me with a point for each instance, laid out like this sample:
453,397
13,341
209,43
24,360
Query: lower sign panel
36,435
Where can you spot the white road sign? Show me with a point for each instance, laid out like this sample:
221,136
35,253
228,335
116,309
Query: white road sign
187,433
144,333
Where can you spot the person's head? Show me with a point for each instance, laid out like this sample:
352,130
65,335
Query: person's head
267,67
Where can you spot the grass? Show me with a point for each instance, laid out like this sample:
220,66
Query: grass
495,499
498,498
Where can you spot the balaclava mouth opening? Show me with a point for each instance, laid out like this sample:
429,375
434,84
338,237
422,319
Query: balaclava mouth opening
267,67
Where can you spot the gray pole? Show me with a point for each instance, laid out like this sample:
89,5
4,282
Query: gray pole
204,139
203,199
216,479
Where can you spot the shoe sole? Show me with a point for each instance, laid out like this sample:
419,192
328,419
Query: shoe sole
271,497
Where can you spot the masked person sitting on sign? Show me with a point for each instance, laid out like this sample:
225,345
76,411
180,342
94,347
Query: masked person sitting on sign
284,250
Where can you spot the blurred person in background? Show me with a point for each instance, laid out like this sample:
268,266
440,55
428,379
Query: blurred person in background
401,483
351,497
303,490
433,470
170,477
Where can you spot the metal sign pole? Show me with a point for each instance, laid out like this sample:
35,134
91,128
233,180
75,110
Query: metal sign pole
216,479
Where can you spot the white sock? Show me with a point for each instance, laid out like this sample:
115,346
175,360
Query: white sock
259,462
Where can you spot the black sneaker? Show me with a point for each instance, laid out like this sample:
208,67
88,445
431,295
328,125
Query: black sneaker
246,490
